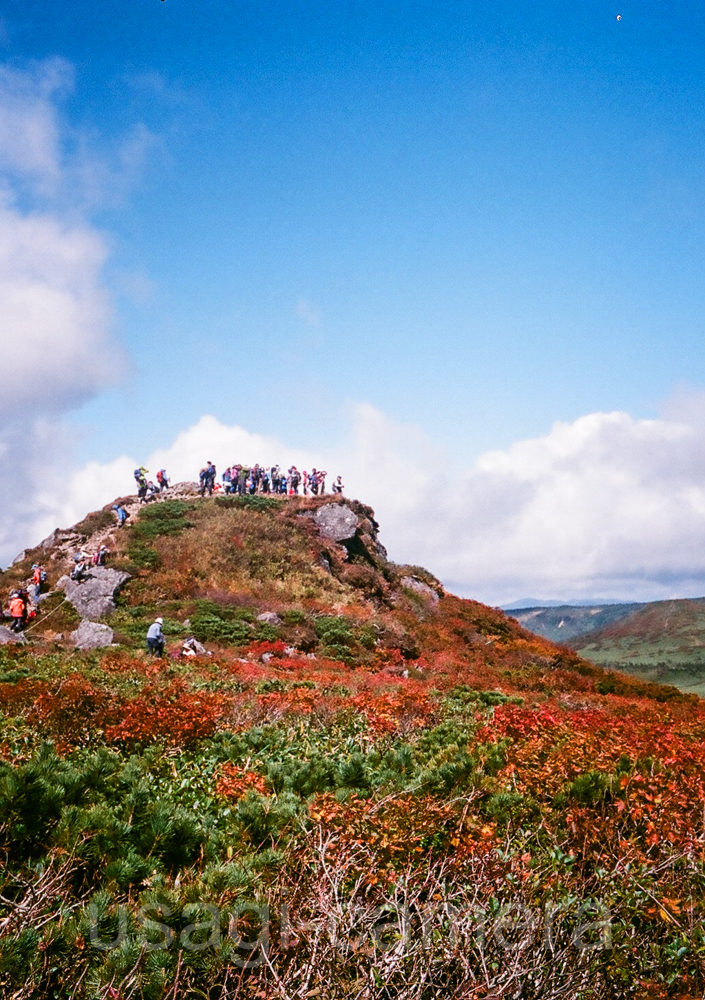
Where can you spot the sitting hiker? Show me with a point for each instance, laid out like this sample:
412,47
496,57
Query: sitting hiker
192,647
155,637
338,485
100,556
81,562
79,569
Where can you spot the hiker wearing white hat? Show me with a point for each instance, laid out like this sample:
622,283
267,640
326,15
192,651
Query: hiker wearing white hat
155,637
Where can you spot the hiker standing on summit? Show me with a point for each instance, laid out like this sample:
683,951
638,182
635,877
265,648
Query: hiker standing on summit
207,478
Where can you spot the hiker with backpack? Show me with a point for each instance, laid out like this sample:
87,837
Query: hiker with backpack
81,562
207,478
122,514
162,480
338,486
39,578
18,611
155,637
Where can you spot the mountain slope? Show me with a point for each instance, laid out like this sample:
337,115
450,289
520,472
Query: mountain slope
661,641
361,787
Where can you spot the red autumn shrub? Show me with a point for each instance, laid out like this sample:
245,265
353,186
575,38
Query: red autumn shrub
172,714
235,782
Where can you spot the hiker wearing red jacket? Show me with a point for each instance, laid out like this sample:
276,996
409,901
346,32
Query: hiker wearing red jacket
18,610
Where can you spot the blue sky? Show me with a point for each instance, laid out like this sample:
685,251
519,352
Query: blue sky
478,218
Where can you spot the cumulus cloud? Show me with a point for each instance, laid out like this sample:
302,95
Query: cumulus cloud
607,505
55,314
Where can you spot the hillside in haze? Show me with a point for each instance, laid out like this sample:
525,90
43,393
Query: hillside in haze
661,640
340,781
562,623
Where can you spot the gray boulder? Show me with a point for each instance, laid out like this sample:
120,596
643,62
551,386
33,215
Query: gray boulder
194,647
337,522
269,618
94,596
91,635
7,635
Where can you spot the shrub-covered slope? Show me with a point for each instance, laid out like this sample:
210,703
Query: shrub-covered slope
366,788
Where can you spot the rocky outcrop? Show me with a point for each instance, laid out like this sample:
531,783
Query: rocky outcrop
94,596
351,525
60,537
91,635
7,636
420,588
337,522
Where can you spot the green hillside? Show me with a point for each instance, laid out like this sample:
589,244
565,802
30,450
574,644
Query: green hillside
663,640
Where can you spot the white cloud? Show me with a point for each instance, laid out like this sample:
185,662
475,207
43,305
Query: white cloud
55,313
30,142
308,312
607,505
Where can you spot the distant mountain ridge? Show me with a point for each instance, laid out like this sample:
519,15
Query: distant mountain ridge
565,621
525,603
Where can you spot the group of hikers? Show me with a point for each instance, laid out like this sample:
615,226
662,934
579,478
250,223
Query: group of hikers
146,489
22,603
240,479
83,560
244,480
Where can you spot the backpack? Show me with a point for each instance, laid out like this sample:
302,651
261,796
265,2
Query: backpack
160,476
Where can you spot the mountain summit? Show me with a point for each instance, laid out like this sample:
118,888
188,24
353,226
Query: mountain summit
339,780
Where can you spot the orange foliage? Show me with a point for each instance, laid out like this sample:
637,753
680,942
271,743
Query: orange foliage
172,714
235,782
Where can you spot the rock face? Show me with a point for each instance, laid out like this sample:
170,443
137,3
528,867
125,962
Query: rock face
337,522
94,596
419,587
7,635
91,635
